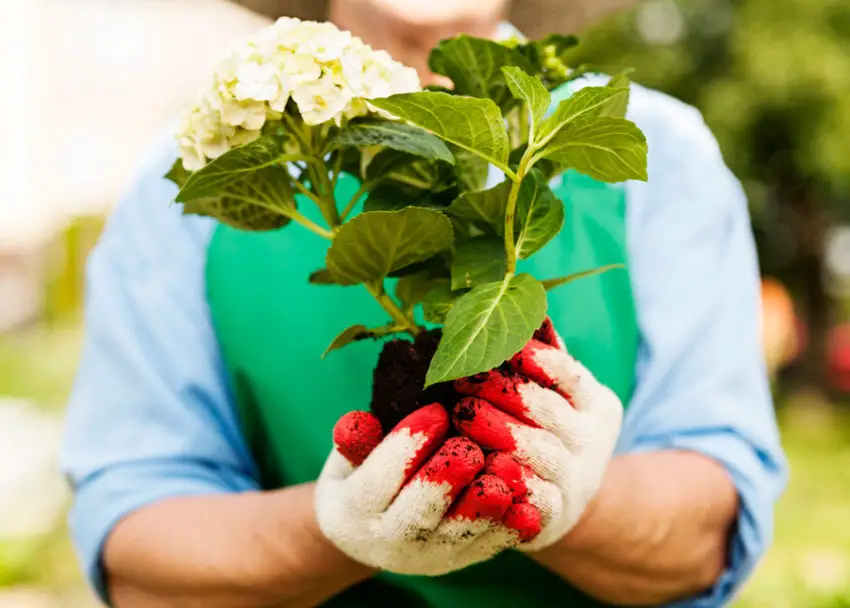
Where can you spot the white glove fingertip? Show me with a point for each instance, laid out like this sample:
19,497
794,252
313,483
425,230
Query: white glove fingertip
418,508
372,486
337,467
544,453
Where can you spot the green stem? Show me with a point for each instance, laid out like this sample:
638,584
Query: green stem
353,201
526,126
337,169
376,288
310,225
510,212
332,213
410,181
292,214
306,192
296,131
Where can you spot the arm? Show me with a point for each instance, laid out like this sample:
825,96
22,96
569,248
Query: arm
685,510
657,530
162,478
245,550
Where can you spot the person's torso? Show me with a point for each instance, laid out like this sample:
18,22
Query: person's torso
273,326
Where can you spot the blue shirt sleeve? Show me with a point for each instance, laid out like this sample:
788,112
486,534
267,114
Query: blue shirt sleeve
150,415
701,380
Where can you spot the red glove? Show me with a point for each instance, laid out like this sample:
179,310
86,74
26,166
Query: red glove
496,494
549,413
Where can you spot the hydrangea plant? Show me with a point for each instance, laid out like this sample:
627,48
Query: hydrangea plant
302,103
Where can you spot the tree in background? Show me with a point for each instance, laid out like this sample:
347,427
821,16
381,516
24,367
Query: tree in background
772,79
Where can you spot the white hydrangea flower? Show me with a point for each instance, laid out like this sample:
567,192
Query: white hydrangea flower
326,72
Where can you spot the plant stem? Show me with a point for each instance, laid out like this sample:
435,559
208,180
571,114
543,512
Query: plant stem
296,132
526,125
306,192
310,225
376,288
351,203
337,169
410,181
510,211
293,215
332,213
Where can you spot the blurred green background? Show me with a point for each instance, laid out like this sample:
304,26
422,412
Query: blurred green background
772,78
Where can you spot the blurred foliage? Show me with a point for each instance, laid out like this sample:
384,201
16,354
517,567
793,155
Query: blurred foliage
772,78
67,255
39,363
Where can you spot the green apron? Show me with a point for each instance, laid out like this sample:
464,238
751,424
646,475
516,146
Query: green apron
273,327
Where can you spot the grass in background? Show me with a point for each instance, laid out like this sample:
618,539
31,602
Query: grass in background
809,563
38,363
807,567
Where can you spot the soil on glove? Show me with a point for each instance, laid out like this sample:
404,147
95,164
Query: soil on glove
399,378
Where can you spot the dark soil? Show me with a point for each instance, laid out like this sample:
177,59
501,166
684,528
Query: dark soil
398,380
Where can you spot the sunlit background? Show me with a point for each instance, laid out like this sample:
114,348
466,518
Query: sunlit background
87,85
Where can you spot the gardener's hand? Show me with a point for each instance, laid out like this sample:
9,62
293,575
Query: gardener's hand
409,30
551,415
395,511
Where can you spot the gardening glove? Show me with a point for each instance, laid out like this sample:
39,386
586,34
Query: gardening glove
416,503
552,416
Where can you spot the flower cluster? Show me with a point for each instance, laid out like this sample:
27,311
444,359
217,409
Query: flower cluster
326,72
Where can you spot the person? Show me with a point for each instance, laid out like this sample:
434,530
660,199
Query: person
202,416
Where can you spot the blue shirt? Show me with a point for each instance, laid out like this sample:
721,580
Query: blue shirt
152,416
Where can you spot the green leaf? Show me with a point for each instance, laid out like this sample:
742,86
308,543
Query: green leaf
474,66
471,171
246,187
530,90
237,212
392,197
487,326
548,168
178,173
232,167
539,214
550,58
560,44
478,261
464,229
435,265
376,243
553,283
412,289
485,209
607,149
617,106
348,335
584,103
398,136
321,277
438,302
387,161
473,124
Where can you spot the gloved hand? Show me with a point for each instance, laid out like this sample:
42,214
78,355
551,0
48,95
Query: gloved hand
410,502
550,414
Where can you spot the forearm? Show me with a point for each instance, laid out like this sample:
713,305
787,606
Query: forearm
243,550
657,530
